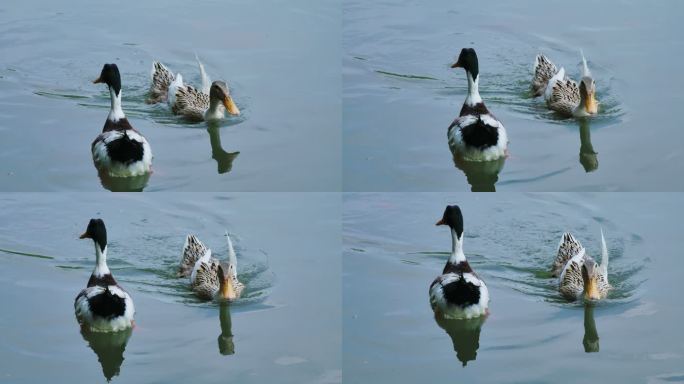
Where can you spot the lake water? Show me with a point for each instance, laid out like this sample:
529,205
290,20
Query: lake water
281,60
400,94
287,325
393,251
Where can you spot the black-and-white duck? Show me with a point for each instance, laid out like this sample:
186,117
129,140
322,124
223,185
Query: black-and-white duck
103,306
209,277
581,276
458,293
476,135
120,150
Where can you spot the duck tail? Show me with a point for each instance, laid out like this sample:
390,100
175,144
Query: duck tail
232,258
585,67
206,81
604,254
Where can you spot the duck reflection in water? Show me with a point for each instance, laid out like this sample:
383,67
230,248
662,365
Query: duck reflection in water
223,159
225,339
587,156
124,184
481,175
109,348
591,337
465,335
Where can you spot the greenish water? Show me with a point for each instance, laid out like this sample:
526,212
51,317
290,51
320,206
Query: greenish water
279,328
281,60
400,94
393,251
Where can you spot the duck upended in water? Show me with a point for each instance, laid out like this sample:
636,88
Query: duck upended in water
458,293
103,306
581,276
120,150
564,95
476,135
209,277
208,103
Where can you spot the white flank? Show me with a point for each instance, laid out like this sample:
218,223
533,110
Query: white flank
173,88
204,259
559,76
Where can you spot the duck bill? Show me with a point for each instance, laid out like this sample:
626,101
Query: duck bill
84,236
591,290
456,65
227,290
97,81
440,222
230,106
590,103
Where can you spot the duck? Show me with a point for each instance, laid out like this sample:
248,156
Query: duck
565,96
103,306
208,103
582,276
476,135
458,293
211,278
120,150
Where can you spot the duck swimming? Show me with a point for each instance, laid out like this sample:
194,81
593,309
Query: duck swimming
564,95
476,135
458,293
103,306
208,103
120,150
581,276
209,277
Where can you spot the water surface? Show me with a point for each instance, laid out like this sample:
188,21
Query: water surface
281,60
281,327
393,251
400,94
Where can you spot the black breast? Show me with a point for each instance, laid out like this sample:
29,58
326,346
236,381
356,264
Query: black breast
107,305
461,293
102,281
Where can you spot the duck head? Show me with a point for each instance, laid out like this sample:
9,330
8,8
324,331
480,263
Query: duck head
468,61
226,287
110,76
97,232
588,101
219,92
453,218
590,273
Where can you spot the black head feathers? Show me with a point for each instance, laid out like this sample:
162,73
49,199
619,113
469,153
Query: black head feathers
96,230
468,61
453,218
110,76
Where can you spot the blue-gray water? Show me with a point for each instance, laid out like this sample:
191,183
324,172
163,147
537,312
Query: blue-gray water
393,251
287,325
281,59
400,94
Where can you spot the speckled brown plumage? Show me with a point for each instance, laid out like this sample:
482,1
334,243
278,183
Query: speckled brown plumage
161,79
544,70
